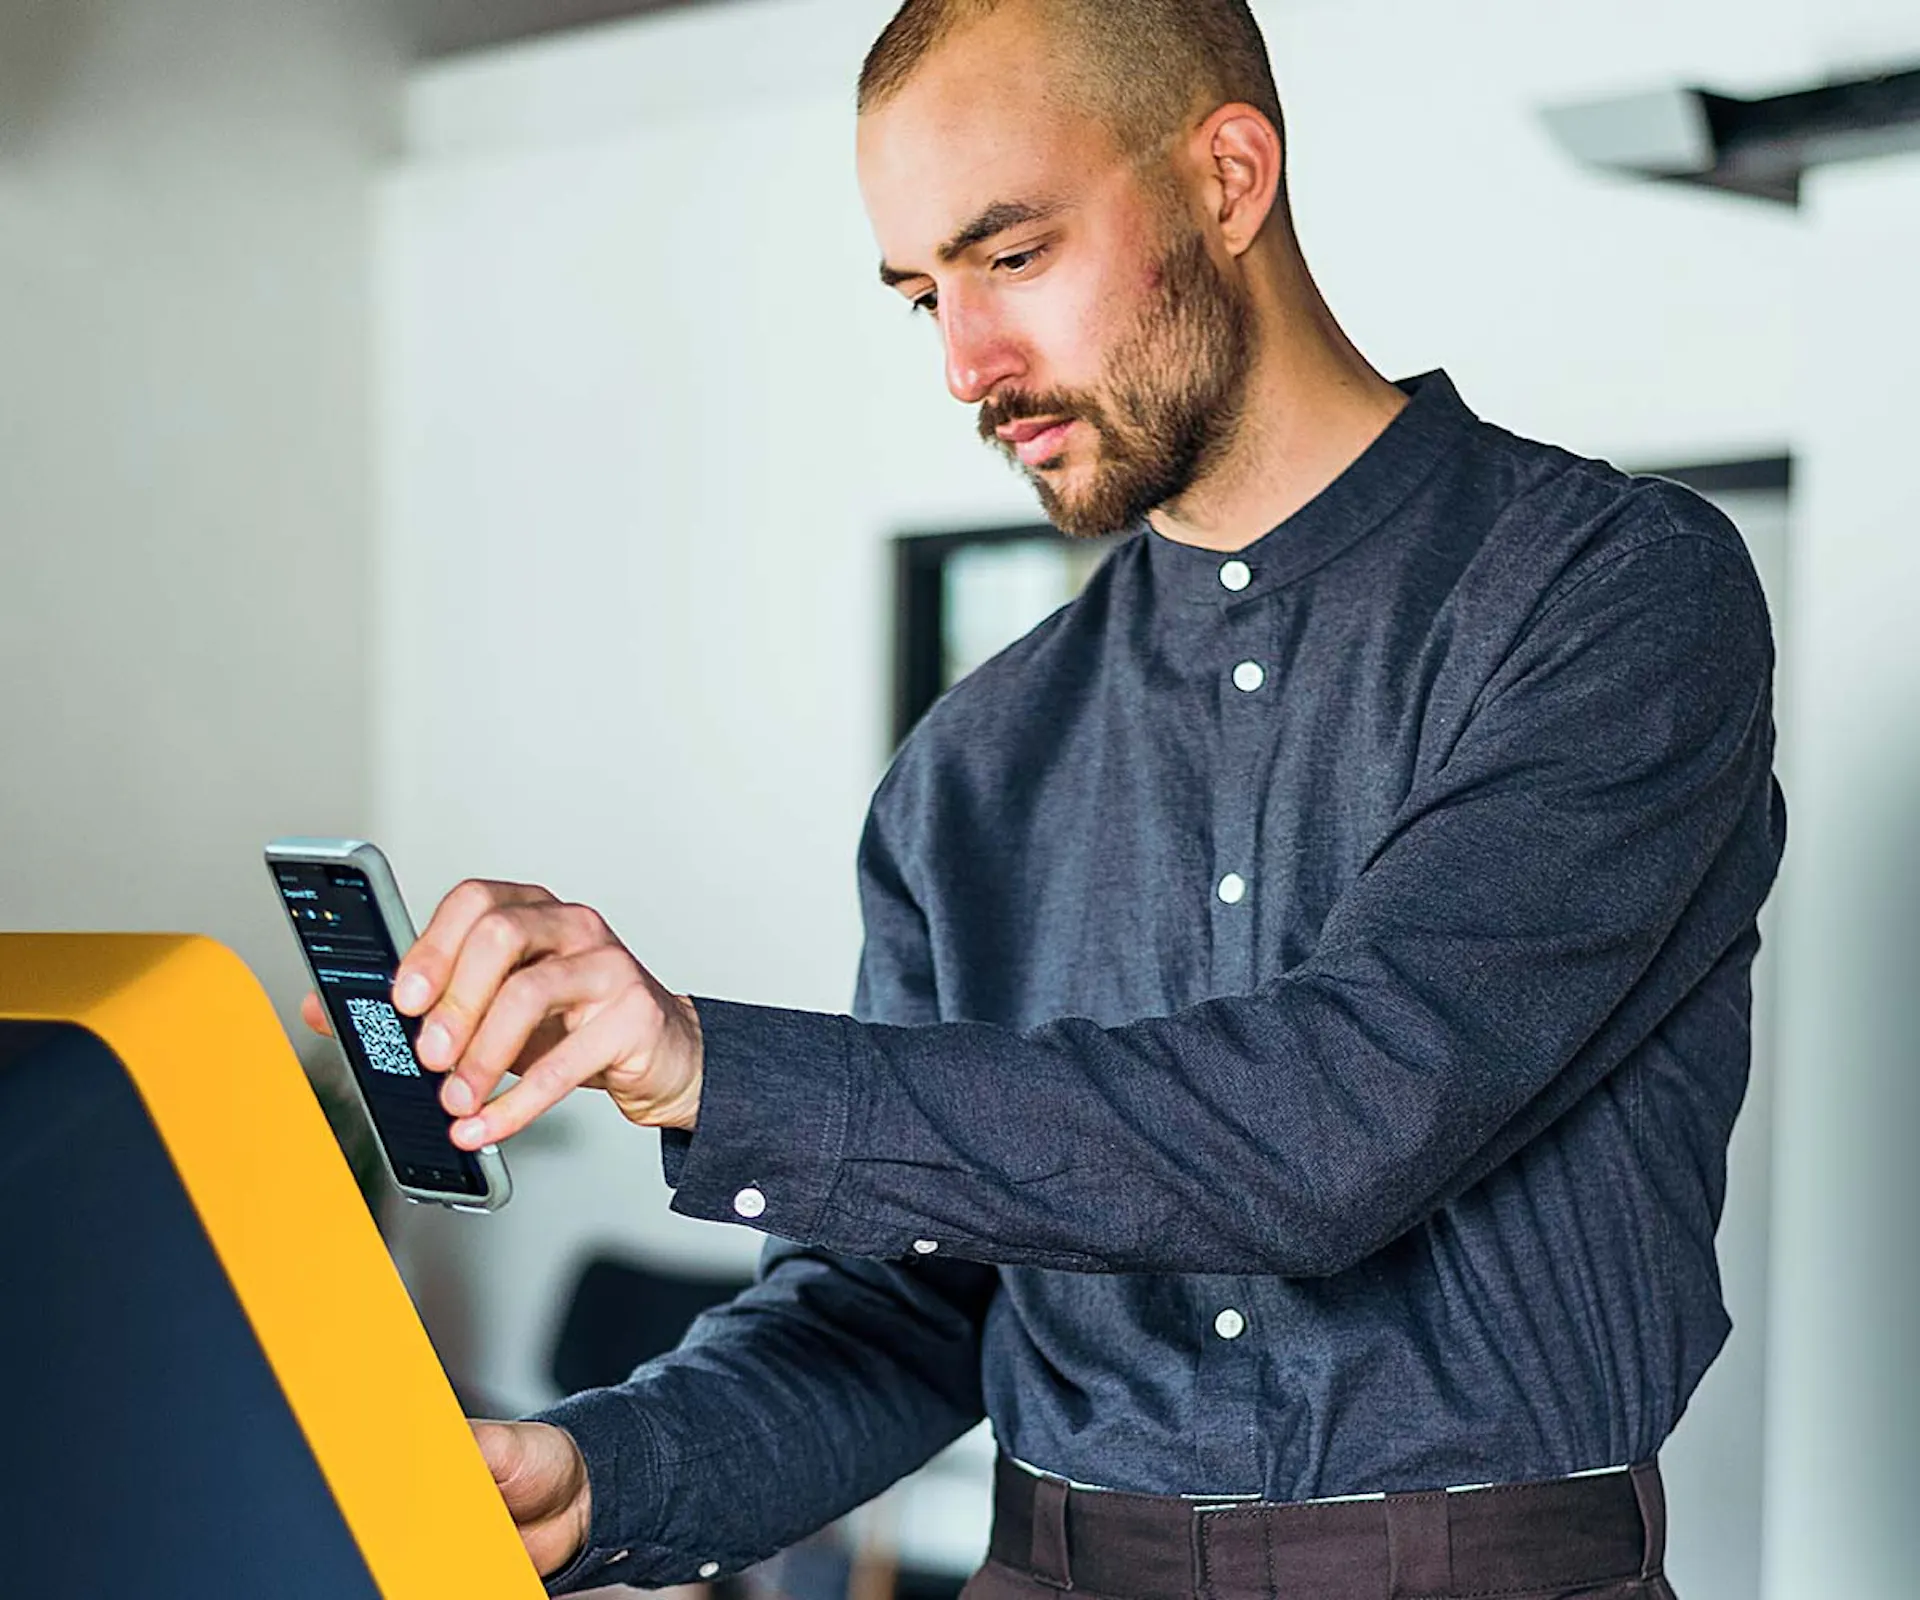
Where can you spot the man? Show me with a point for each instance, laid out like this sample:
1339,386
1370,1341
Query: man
1305,995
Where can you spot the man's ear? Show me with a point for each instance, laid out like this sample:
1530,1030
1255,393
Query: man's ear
1244,160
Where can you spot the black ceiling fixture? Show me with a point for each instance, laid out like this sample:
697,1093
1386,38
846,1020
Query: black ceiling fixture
1760,147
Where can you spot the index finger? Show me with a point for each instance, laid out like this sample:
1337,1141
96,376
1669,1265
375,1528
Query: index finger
423,973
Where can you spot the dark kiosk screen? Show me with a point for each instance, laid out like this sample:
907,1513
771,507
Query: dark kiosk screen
354,961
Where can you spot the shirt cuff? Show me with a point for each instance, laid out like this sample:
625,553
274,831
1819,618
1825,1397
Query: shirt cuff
674,1145
772,1129
623,1472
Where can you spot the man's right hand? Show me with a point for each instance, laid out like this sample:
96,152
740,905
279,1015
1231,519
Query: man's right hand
542,1476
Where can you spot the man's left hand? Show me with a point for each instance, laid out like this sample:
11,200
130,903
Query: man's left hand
507,978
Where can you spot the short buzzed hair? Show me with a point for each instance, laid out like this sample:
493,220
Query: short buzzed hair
1145,67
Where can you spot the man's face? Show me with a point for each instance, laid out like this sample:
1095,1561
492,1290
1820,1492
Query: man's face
1077,304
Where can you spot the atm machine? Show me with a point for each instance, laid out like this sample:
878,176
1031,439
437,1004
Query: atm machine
215,1383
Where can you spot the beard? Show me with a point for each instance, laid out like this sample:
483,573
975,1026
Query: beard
1175,389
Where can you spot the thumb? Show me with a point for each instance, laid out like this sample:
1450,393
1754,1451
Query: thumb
542,1477
314,1014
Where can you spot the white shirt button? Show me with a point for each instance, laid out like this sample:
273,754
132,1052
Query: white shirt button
749,1202
1249,676
709,1569
1235,575
619,1555
1229,1324
1233,889
926,1247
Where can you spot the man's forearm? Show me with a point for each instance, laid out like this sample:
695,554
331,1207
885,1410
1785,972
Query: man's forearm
1544,902
804,1397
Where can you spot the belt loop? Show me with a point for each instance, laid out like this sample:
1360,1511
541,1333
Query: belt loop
1652,1495
1419,1545
1049,1559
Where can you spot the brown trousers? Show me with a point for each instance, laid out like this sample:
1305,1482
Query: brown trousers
1600,1538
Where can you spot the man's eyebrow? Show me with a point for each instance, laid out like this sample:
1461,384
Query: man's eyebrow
995,219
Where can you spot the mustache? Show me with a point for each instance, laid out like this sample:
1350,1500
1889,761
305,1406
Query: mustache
999,412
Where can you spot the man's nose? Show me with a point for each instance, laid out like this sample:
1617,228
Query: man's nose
980,353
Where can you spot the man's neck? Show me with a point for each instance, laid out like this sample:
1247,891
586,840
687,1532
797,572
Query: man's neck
1313,406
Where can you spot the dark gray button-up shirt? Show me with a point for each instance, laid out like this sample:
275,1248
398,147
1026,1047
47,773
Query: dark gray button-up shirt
1304,1007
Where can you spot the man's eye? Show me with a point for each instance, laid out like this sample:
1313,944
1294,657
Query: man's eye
928,302
1020,260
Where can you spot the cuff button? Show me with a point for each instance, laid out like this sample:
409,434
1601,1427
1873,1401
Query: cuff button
709,1569
749,1202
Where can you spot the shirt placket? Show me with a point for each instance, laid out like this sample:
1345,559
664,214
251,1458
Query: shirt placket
1242,676
1228,1377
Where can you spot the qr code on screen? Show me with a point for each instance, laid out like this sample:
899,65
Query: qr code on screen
378,1025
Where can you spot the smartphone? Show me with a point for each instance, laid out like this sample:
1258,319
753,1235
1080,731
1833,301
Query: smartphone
346,910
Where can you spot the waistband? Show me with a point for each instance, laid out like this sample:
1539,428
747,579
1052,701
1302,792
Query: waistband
1511,1538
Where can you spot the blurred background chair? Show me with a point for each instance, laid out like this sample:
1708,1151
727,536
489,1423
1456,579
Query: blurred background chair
620,1314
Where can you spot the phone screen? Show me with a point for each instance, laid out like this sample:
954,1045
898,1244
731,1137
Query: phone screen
346,941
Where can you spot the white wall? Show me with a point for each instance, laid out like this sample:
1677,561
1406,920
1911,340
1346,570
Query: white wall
185,454
650,424
1843,1400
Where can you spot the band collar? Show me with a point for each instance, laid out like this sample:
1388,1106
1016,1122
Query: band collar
1356,502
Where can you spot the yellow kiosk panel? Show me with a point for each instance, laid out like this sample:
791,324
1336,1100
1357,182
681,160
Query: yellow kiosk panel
219,1384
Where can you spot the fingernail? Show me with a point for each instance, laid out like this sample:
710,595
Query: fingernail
410,993
457,1097
434,1044
470,1133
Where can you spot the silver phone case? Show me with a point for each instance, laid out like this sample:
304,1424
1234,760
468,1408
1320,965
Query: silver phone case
393,912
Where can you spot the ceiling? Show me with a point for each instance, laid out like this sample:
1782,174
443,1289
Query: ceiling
435,28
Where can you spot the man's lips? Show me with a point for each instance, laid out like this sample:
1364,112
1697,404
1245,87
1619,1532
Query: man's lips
1035,442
